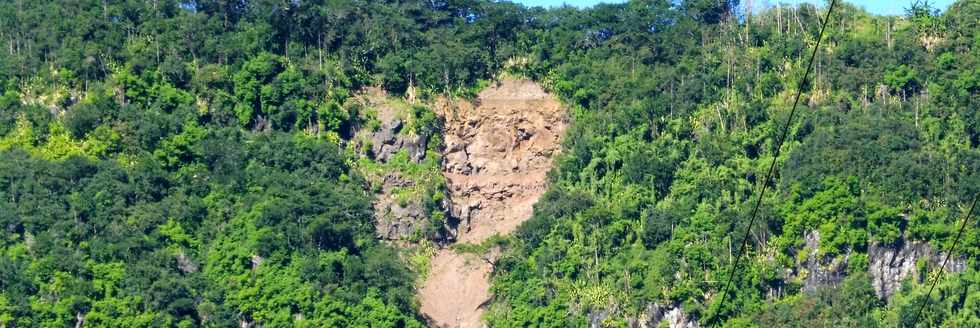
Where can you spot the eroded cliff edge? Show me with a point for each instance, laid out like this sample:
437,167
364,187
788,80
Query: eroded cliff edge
498,150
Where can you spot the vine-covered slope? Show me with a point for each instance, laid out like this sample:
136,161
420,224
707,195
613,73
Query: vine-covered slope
200,163
677,112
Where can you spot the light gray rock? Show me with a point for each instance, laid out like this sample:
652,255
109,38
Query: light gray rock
395,222
457,163
596,318
415,145
674,316
892,264
386,152
388,141
385,136
185,264
822,270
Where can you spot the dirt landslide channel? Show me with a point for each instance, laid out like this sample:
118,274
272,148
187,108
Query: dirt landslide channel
499,149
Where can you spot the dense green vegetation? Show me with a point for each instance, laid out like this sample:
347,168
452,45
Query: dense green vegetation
181,163
677,112
185,163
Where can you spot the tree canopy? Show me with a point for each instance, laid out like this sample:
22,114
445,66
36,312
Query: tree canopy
188,163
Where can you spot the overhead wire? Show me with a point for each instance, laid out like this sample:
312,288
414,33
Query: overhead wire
942,268
733,271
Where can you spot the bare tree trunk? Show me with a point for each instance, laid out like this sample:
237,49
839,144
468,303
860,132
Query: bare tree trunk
156,34
917,113
888,33
779,18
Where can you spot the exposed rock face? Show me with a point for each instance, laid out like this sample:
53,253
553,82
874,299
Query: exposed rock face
497,156
596,318
822,270
498,150
185,264
656,313
890,265
387,141
396,218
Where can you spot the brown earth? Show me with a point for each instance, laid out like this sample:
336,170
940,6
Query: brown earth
498,151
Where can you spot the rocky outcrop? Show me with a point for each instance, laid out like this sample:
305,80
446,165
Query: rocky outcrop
822,270
655,314
498,150
889,265
596,317
892,264
395,220
387,141
400,197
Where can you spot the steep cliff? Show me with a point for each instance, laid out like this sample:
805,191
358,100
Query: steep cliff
398,154
820,270
656,315
889,265
498,150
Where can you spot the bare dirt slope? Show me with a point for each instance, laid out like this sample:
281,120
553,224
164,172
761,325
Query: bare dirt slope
499,149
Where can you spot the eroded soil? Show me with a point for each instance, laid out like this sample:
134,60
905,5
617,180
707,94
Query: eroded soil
498,151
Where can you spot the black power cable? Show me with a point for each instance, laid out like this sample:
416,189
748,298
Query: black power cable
772,166
949,253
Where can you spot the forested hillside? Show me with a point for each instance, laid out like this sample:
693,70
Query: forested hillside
678,111
196,163
170,163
